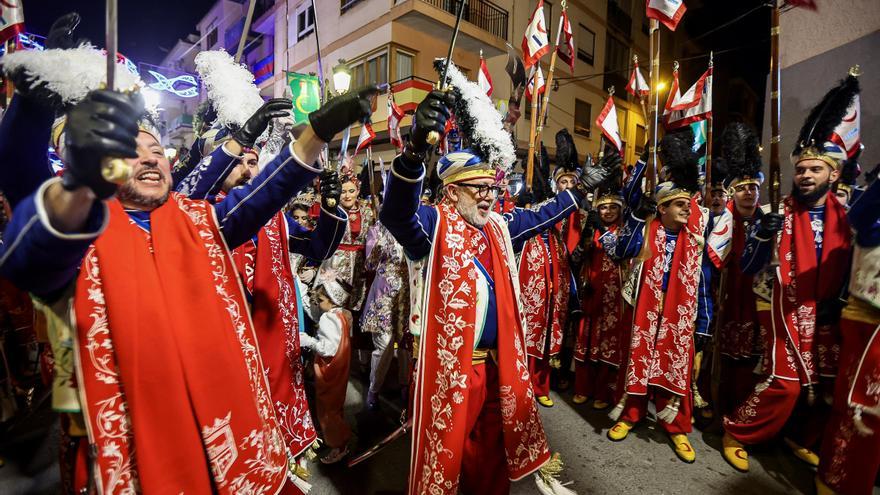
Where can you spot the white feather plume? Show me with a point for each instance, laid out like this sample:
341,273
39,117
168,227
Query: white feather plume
230,86
488,134
71,73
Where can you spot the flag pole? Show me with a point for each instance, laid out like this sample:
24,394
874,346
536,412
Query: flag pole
654,96
530,164
549,83
708,200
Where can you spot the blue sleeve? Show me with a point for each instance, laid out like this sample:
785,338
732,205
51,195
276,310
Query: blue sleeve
864,216
609,240
524,224
705,305
757,252
39,259
24,140
410,222
205,179
247,208
192,159
630,238
318,244
632,190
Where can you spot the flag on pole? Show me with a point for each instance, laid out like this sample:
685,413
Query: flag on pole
539,75
565,50
535,43
607,121
365,138
669,12
847,134
694,105
637,85
484,80
11,19
395,115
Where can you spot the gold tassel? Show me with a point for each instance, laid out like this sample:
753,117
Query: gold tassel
555,362
547,477
312,452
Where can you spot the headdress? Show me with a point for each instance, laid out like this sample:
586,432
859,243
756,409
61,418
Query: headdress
566,155
719,174
818,139
337,290
487,147
741,152
850,171
680,167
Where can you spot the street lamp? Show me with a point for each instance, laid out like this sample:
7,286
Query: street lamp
342,77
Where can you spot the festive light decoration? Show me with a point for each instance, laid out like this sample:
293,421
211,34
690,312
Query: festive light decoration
184,86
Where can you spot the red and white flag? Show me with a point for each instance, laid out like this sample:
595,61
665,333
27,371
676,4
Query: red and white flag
366,137
847,134
637,85
535,43
565,50
484,80
395,115
607,121
669,12
539,75
11,19
694,105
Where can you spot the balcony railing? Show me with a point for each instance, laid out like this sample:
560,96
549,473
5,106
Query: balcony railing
481,13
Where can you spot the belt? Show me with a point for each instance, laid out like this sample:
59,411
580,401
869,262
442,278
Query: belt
352,247
479,356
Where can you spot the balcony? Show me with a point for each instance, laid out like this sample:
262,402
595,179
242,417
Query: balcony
437,18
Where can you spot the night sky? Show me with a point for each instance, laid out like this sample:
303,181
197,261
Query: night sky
147,29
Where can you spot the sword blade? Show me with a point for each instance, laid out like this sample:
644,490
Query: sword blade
110,33
399,432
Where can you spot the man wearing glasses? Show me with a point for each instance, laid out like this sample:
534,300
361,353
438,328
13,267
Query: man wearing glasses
475,422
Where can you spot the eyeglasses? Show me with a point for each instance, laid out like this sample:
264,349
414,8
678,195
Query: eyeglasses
483,190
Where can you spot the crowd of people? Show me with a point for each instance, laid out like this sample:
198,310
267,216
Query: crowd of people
199,323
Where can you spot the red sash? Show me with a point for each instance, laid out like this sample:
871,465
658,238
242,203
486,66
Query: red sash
599,333
865,391
572,230
740,315
544,277
440,398
662,345
331,382
171,379
265,268
801,282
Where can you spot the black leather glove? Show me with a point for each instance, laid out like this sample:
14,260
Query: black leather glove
769,225
431,115
342,111
331,188
257,123
647,207
594,221
591,177
103,124
525,198
61,33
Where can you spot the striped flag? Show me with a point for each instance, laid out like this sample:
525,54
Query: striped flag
366,137
484,80
607,121
539,75
669,12
637,85
535,43
694,105
11,19
565,50
395,115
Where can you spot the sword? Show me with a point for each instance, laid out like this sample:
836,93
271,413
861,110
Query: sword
113,169
434,136
399,432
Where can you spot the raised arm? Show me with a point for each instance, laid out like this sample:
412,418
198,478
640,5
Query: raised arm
24,137
206,178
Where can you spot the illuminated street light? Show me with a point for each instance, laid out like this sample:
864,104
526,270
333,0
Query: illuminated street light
342,77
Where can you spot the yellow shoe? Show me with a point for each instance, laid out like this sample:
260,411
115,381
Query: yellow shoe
803,453
683,448
599,404
545,401
579,399
619,431
822,488
734,453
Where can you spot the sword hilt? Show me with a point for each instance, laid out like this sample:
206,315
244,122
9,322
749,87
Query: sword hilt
115,170
331,202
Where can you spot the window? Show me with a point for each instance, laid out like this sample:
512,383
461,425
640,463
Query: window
305,20
404,69
640,139
582,117
212,37
616,63
586,42
347,4
373,70
548,19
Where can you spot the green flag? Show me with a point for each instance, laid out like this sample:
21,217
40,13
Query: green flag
306,91
699,129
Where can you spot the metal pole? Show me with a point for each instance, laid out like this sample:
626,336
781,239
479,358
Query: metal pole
245,30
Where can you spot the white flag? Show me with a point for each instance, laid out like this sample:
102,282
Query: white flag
607,121
535,43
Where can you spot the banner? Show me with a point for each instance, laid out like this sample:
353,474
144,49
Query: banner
306,92
11,19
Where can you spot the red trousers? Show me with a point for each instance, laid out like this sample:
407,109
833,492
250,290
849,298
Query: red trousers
595,380
849,460
540,370
483,463
637,405
737,382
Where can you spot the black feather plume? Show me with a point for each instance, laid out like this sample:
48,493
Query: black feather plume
828,113
719,170
740,149
851,169
566,151
680,161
